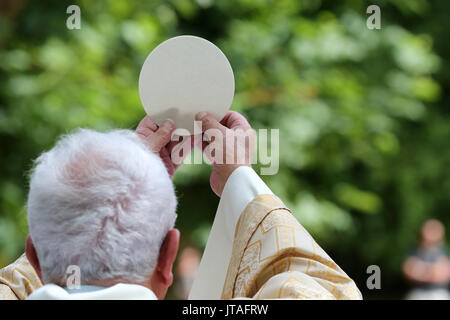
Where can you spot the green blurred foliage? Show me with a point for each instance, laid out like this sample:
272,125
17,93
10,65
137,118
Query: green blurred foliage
363,114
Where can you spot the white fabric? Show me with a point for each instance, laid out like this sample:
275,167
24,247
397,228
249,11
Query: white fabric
240,189
430,294
121,291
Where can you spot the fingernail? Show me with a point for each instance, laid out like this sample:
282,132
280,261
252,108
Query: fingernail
200,115
168,124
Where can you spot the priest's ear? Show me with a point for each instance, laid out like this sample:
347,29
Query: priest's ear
162,277
31,254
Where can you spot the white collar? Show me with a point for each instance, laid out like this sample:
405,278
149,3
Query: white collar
120,291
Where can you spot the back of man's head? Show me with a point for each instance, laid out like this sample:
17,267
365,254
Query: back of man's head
102,202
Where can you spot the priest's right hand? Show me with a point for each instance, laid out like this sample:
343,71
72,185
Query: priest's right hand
158,139
228,144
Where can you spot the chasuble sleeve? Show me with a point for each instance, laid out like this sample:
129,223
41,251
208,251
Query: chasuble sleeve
18,280
241,188
273,256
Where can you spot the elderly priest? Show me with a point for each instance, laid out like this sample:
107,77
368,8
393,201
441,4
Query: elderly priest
104,204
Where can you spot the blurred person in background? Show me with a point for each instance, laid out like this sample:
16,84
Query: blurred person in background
186,269
428,268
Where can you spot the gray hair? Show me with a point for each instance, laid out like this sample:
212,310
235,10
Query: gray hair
103,202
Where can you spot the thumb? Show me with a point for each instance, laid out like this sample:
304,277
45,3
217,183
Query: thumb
209,122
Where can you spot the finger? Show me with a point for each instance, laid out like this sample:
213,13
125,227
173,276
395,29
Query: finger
161,137
199,143
234,119
209,122
181,140
184,145
146,127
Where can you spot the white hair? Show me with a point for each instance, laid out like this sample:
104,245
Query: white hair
103,202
